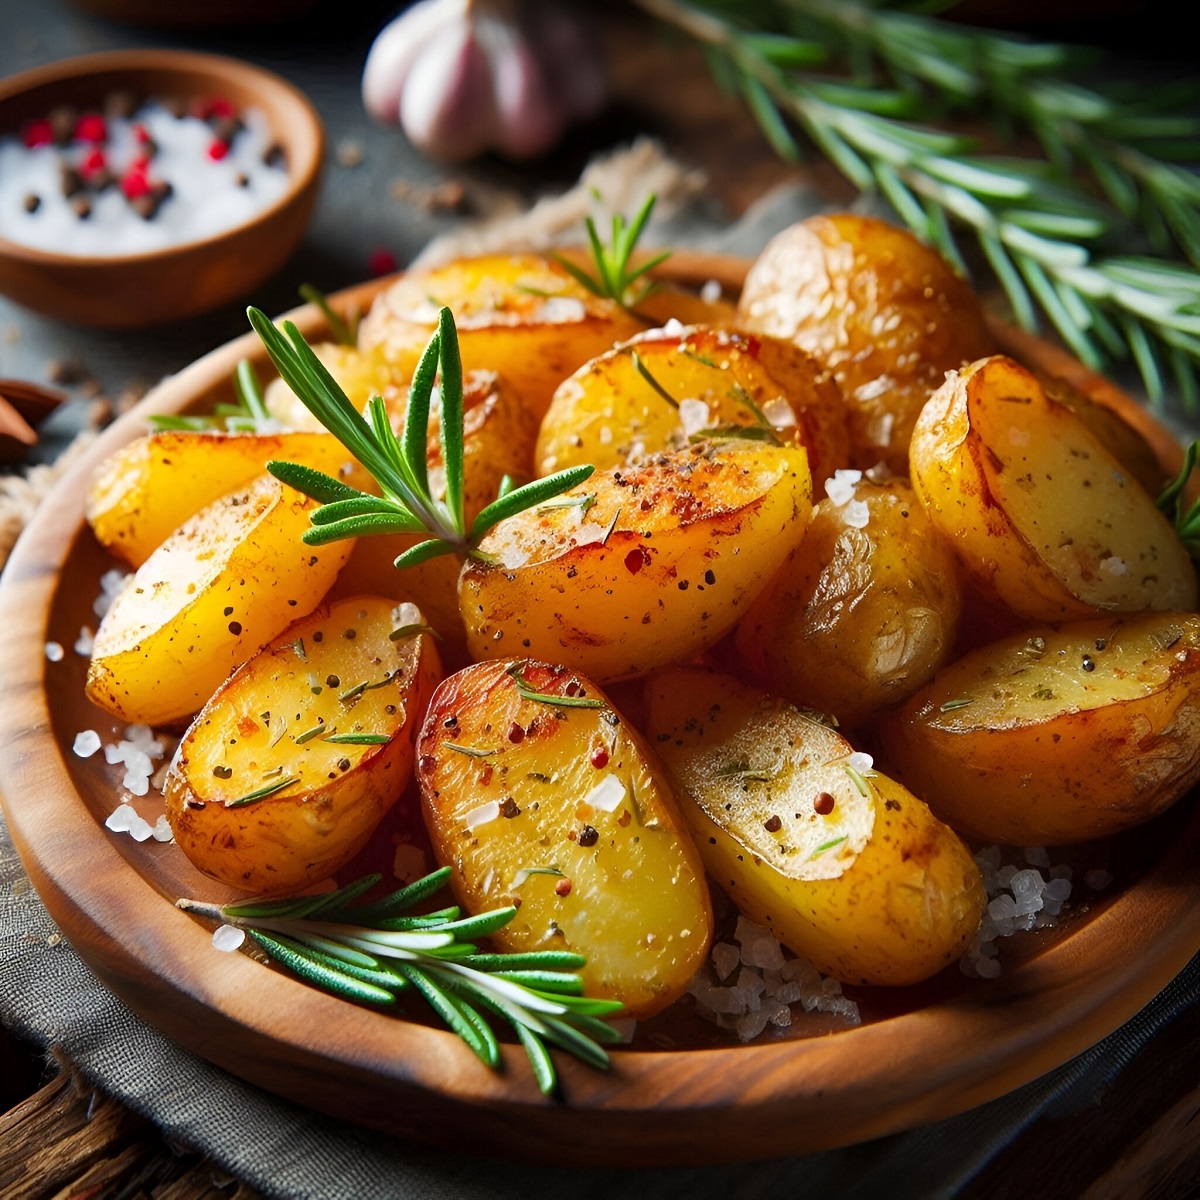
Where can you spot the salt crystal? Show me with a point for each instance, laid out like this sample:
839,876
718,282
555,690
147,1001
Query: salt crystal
84,642
1035,856
860,762
409,863
227,938
780,1015
607,795
725,958
750,1025
988,968
162,830
1002,909
992,856
1114,566
86,743
857,514
1027,883
693,416
562,310
54,652
840,489
112,753
764,952
1005,874
140,829
711,291
1058,889
1062,871
722,1000
136,783
482,814
779,413
1098,879
120,819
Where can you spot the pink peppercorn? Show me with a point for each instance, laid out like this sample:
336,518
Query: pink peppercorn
91,127
135,182
381,262
141,133
217,149
37,133
93,162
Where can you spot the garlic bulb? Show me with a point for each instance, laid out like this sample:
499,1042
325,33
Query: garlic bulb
465,76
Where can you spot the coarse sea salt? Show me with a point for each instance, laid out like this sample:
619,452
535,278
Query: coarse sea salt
711,291
86,743
54,652
840,489
228,938
482,814
85,643
607,794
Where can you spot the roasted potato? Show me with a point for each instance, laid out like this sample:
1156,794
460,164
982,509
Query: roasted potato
1057,736
223,585
288,769
1043,518
519,314
148,488
884,313
361,374
562,809
842,864
660,389
639,567
862,613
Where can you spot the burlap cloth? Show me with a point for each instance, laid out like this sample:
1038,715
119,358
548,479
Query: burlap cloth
49,997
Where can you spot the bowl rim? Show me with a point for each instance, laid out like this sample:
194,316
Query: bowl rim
301,174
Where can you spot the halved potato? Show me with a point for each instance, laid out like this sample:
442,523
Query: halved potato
883,312
361,374
639,567
862,614
147,489
1056,736
519,314
223,585
1039,513
564,811
657,390
288,769
842,864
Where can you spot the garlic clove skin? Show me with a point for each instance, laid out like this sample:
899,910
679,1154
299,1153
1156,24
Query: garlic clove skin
397,47
447,108
465,76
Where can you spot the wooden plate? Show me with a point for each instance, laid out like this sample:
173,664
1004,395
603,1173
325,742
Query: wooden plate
921,1053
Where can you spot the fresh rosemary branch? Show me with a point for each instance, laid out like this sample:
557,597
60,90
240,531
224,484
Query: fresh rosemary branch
371,953
1047,238
1172,503
248,415
398,465
614,278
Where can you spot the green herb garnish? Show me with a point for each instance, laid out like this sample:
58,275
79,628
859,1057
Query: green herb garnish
398,465
1172,503
358,739
614,279
372,953
343,331
527,692
645,373
828,845
951,705
263,792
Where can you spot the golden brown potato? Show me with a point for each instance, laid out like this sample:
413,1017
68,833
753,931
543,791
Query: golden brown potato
148,488
668,302
223,585
639,567
361,374
839,862
1043,518
609,413
564,810
288,769
884,313
519,314
1057,736
862,614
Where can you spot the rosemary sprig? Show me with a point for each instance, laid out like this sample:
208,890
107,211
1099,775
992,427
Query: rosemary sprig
614,279
1048,239
371,953
344,331
398,465
248,415
1172,503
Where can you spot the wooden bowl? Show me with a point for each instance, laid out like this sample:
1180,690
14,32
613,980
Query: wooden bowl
193,277
683,1092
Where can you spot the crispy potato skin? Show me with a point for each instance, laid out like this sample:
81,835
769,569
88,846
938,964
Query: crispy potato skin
858,618
875,890
305,832
519,314
229,580
884,313
1064,735
141,494
618,881
660,567
1041,516
608,414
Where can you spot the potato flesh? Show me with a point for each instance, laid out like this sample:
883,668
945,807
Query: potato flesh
886,895
147,489
859,617
564,811
1039,513
223,585
280,717
659,567
521,315
1058,735
608,413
